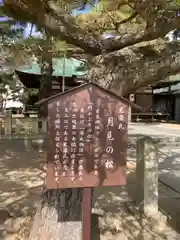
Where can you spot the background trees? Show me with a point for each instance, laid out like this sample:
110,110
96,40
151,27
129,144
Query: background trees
10,87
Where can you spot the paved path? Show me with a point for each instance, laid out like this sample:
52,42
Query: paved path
156,129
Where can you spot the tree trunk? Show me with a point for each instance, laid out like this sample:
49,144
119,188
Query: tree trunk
45,84
58,216
1,102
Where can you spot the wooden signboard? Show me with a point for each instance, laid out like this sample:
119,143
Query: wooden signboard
87,138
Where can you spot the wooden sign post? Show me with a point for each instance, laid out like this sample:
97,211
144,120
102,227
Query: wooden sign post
86,213
87,129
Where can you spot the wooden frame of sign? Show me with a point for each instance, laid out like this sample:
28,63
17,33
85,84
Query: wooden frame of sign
87,139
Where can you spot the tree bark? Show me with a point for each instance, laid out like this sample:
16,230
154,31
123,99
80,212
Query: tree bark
58,216
45,85
46,75
129,69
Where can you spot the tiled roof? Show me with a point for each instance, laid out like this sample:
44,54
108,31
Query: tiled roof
71,68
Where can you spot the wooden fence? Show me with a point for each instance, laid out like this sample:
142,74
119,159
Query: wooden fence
15,124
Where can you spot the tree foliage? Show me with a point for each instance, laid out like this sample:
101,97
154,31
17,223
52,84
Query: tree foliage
136,54
11,33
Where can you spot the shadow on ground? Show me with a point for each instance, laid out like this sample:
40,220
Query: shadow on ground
118,217
21,180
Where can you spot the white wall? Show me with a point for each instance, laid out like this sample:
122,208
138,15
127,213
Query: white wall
8,101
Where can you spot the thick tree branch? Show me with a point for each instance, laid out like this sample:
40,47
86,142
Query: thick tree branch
72,34
160,18
159,24
115,44
131,68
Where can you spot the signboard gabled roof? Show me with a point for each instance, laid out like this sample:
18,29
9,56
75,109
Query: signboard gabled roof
80,88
